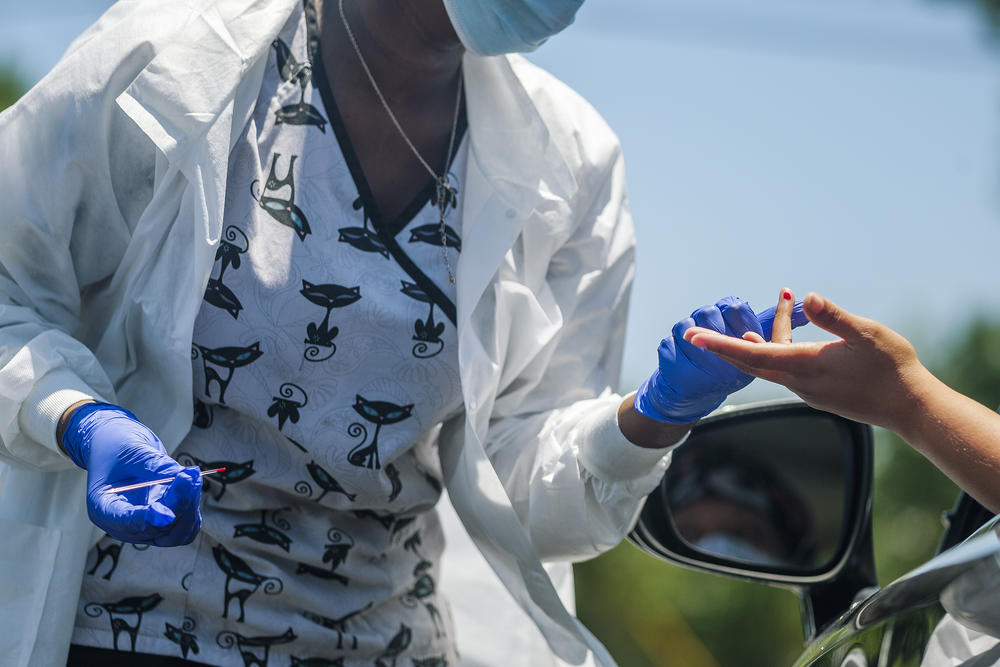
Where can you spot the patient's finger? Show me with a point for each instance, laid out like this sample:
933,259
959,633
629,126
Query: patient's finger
745,354
766,318
828,315
757,371
781,330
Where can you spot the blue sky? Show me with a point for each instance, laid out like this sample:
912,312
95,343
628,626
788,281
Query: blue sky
844,146
847,147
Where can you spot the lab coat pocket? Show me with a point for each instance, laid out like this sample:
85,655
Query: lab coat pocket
27,560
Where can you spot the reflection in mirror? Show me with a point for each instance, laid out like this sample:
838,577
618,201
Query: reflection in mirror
768,492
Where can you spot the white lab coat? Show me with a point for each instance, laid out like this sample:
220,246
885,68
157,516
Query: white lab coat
953,644
115,175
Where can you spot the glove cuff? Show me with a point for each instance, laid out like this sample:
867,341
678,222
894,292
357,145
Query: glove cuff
652,400
76,436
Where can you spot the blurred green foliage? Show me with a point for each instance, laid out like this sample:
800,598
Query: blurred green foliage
973,365
910,498
650,613
655,614
11,86
992,10
910,493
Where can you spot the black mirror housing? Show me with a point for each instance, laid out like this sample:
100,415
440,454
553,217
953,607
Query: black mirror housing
777,493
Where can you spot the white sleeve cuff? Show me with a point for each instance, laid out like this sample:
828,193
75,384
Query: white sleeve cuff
46,403
608,454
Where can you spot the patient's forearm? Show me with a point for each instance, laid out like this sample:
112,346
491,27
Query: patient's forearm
958,435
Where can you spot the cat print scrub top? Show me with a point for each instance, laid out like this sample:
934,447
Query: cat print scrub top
324,356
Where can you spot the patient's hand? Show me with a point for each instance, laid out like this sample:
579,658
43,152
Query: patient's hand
871,374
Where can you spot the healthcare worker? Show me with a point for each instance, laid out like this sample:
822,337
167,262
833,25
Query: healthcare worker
348,253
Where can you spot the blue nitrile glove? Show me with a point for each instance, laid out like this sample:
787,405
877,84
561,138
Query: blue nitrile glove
116,449
691,382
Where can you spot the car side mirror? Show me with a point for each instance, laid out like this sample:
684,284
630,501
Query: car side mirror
777,492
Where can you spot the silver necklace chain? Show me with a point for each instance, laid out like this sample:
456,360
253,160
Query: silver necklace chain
445,193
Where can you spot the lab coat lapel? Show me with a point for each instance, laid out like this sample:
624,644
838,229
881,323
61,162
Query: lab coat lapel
195,95
515,164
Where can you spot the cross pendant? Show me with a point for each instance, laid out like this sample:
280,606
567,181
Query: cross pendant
446,196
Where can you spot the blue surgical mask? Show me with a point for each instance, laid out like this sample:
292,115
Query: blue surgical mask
493,27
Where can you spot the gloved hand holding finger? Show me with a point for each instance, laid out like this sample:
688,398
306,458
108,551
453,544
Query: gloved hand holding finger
688,383
115,448
740,318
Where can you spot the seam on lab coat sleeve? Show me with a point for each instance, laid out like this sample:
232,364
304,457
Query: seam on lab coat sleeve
45,404
608,455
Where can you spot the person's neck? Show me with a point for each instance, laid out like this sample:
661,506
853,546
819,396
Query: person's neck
409,45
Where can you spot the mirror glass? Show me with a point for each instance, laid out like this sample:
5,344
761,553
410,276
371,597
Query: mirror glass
767,492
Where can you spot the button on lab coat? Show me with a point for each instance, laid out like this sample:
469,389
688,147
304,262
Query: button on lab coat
113,206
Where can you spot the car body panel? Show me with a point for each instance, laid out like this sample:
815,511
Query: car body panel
895,642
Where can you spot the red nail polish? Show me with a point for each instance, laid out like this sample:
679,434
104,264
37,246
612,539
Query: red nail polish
786,295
